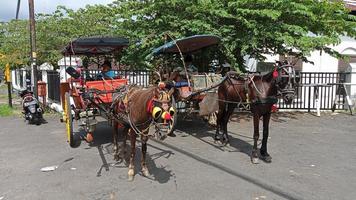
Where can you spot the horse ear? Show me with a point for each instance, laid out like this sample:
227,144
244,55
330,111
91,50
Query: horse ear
171,91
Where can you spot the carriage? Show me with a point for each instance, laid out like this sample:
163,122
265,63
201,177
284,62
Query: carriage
197,91
85,97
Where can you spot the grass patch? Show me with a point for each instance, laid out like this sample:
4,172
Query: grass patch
5,110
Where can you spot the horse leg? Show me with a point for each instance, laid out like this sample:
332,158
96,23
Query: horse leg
219,121
124,137
115,138
229,111
263,151
144,168
256,135
131,172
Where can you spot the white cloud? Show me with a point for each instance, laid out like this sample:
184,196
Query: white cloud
8,7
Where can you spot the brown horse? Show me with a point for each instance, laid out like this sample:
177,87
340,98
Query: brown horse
137,110
260,92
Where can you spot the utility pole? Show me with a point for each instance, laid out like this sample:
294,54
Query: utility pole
33,48
8,81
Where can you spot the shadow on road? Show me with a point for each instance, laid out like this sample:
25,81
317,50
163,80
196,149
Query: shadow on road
200,130
103,142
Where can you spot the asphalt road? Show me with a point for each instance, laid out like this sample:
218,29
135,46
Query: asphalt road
313,158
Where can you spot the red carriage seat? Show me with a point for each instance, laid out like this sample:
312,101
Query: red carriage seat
106,85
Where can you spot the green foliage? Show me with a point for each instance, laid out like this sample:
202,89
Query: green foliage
254,28
247,27
14,42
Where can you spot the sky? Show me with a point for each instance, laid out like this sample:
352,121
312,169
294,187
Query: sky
8,7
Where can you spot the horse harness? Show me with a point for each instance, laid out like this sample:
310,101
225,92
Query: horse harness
122,101
248,79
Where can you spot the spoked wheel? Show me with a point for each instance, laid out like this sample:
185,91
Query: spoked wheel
68,119
173,121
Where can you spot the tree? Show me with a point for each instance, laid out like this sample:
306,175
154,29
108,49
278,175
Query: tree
54,31
253,28
14,43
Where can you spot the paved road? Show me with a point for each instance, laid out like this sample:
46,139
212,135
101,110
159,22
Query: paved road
313,158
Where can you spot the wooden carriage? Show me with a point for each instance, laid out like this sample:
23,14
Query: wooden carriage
200,85
84,98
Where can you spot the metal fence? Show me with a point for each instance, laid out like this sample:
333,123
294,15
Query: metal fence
306,93
138,77
23,78
327,91
53,83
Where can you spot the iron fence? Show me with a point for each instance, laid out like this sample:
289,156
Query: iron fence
322,85
23,78
138,77
53,83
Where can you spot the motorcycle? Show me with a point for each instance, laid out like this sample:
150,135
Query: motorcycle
31,108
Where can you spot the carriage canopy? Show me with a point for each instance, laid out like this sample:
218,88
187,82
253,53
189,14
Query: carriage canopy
95,46
187,45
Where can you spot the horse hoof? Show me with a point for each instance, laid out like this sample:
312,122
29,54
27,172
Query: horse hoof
217,138
117,157
131,174
267,158
145,172
254,160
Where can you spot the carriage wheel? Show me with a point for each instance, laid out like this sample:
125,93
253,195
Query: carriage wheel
68,118
173,121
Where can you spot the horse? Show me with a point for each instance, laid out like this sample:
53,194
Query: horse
137,110
260,92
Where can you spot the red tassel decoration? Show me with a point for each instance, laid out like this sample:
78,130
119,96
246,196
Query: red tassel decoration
274,108
275,74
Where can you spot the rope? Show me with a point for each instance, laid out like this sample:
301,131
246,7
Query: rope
254,85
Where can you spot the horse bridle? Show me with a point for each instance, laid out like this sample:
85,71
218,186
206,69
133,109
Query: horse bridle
285,71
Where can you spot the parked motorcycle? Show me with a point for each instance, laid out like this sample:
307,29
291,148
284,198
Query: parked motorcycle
31,108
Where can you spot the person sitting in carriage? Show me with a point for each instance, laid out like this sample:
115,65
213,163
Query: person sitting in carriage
106,72
179,75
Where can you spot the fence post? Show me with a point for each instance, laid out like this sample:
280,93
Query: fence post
352,92
309,93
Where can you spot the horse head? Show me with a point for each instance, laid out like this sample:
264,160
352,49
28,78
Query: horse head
163,111
286,81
